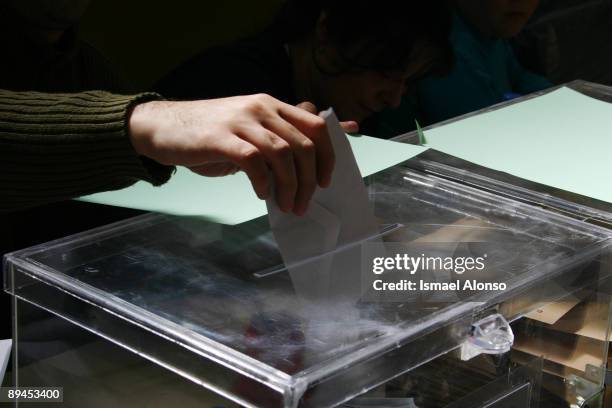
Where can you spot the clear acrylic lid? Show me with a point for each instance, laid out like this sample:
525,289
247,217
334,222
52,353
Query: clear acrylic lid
195,295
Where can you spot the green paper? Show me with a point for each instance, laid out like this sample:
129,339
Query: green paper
231,200
562,139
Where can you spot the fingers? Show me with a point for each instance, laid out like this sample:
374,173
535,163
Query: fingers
277,153
350,126
304,156
256,133
250,160
313,127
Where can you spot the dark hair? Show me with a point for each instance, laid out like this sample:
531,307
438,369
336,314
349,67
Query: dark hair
375,34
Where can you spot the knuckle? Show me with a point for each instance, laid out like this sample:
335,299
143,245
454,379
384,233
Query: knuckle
318,124
259,102
280,147
256,107
308,107
264,97
250,154
307,146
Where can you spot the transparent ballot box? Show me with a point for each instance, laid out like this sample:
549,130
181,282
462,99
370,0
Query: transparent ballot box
501,183
159,310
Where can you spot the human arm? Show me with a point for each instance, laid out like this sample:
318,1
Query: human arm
266,138
59,146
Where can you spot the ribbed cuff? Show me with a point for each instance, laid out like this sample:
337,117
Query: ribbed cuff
156,173
59,146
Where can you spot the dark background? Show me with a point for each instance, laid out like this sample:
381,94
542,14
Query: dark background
565,40
144,39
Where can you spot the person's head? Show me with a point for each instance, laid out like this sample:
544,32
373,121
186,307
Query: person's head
497,18
358,56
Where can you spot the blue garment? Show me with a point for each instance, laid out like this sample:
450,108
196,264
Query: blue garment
485,73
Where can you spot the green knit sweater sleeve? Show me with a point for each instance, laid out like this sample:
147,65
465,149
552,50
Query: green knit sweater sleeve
59,146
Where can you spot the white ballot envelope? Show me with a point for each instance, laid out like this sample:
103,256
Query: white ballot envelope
321,249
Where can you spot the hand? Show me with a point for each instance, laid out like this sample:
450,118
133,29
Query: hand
254,133
349,126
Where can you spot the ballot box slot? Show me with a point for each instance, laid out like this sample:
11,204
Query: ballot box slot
384,230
